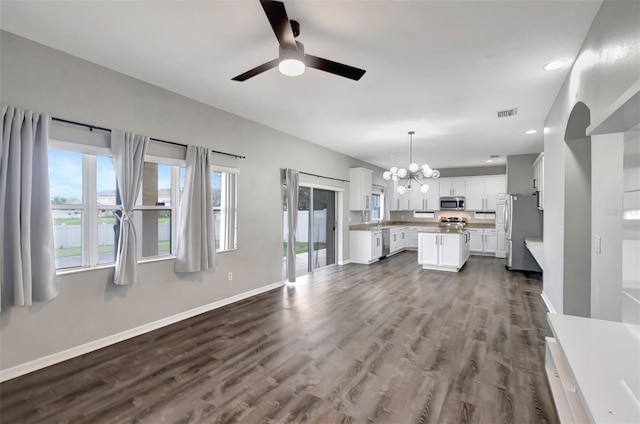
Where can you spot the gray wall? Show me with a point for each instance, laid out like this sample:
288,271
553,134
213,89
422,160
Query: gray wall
606,222
473,171
90,307
607,65
520,173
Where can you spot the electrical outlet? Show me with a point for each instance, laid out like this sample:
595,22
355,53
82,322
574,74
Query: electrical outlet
598,244
230,276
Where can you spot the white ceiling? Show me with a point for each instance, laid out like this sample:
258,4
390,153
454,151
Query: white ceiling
440,68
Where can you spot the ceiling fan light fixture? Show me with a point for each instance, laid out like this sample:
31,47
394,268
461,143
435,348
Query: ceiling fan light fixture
291,67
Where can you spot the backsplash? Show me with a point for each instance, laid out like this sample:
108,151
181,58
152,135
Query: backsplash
407,216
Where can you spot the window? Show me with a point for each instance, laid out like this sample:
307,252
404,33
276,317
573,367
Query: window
376,206
224,194
85,206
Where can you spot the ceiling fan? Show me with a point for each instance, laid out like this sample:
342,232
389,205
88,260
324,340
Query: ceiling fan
292,59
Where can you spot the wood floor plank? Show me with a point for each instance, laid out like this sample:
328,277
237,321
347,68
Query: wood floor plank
384,343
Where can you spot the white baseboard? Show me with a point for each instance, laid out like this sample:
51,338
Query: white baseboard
347,262
55,358
548,303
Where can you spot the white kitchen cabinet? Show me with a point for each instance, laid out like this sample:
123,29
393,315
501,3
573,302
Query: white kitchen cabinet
482,192
484,241
411,238
501,235
416,200
476,244
428,249
447,252
365,246
432,198
501,244
538,179
452,186
360,189
490,241
397,242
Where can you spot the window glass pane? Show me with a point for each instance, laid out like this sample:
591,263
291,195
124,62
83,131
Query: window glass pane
65,177
216,188
375,206
164,185
107,236
67,237
153,228
106,181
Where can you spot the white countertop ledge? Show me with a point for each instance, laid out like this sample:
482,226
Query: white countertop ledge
604,360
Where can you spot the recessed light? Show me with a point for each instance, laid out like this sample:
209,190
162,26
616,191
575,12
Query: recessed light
529,132
489,160
554,66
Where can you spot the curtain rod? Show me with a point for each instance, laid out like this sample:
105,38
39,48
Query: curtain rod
322,176
94,127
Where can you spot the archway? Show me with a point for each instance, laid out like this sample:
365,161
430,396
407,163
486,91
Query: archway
577,213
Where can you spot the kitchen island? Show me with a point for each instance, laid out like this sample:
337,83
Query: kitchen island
443,249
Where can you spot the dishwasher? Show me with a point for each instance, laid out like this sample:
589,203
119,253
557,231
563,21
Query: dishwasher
386,241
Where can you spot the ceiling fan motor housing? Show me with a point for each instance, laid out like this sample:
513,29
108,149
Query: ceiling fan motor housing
291,53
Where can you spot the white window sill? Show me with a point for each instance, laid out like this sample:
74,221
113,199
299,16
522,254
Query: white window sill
107,266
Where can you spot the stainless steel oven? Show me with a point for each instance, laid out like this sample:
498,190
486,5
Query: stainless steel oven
452,203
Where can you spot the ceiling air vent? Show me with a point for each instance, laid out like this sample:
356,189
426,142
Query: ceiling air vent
507,112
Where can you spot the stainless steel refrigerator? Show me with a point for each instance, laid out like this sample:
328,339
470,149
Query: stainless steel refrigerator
523,220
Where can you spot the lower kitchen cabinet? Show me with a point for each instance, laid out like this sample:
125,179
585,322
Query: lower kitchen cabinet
411,238
397,242
365,246
447,252
484,241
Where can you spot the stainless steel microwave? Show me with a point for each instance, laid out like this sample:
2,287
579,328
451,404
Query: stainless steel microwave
452,203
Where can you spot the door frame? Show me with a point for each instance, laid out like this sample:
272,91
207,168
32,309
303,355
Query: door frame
338,242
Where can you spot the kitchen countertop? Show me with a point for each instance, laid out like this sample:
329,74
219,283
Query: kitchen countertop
398,224
442,230
536,247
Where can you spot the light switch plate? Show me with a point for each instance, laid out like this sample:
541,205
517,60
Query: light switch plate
598,244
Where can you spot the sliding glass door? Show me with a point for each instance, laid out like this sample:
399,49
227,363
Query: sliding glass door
316,231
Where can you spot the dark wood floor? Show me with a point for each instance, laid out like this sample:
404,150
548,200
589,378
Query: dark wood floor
387,343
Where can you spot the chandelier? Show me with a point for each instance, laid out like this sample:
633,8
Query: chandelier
415,174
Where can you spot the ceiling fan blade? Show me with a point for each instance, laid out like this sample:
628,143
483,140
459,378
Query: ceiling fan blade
279,21
333,67
257,70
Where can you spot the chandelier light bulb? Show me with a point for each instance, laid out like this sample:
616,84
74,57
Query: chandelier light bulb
401,189
386,175
394,169
395,177
413,167
402,172
435,174
424,188
428,173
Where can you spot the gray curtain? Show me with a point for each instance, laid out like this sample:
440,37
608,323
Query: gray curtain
291,184
196,234
128,152
27,252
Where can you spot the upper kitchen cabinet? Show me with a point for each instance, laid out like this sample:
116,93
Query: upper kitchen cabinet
416,200
452,187
538,179
482,192
360,189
